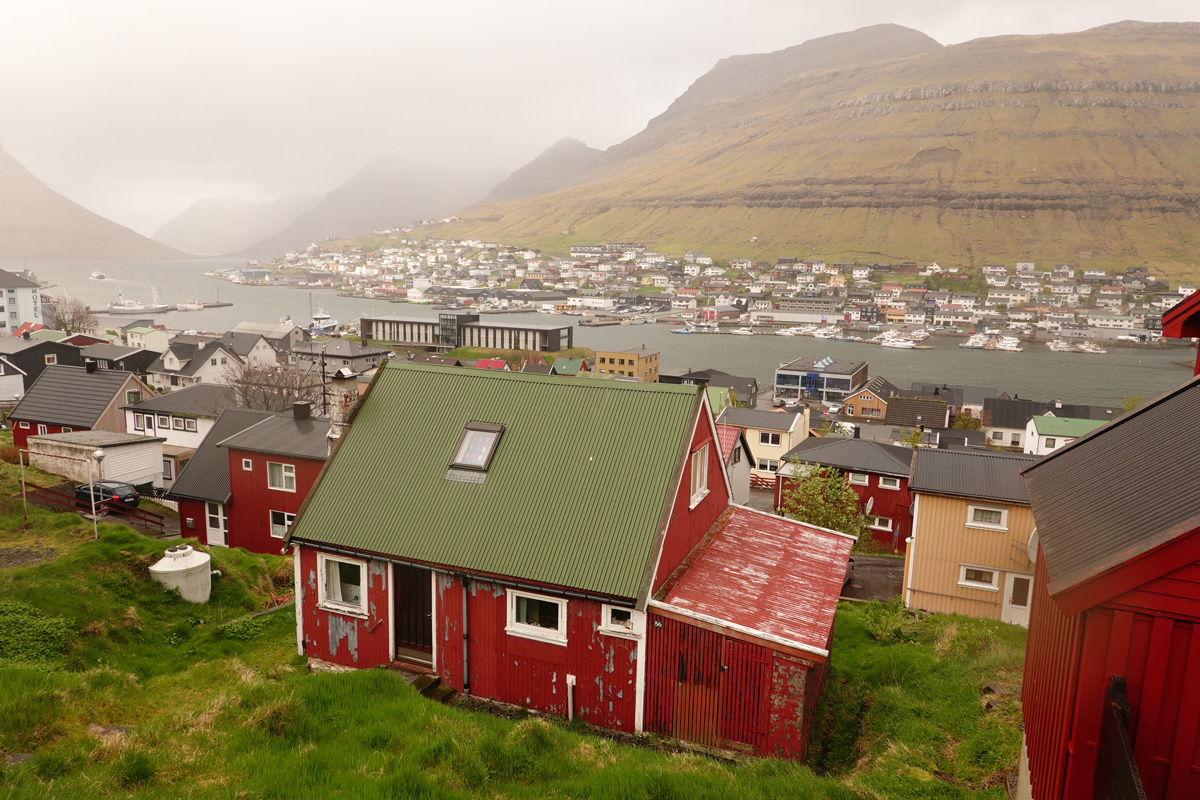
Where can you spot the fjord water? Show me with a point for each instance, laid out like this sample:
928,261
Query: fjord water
1035,373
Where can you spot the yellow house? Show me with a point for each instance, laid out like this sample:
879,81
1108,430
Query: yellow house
635,362
770,434
970,550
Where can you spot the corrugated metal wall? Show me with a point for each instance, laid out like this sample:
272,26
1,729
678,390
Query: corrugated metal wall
1068,664
340,638
714,690
533,674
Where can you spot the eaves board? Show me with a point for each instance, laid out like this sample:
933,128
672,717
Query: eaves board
609,446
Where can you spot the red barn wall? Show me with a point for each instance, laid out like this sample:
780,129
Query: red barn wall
1151,637
533,674
895,504
252,501
688,527
343,638
21,435
195,510
448,629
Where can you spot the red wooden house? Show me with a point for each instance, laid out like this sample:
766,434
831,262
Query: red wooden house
877,472
66,398
1182,321
419,547
1117,595
250,476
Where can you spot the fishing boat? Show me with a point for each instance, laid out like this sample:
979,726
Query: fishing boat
189,305
1059,346
124,306
682,330
322,322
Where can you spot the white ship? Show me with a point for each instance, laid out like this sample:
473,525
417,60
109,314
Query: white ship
123,306
322,322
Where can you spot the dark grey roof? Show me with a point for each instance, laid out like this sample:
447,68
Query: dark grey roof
206,476
945,394
15,344
857,455
282,434
537,369
753,418
911,412
193,357
71,396
109,352
1121,490
881,387
971,395
970,474
241,342
1014,413
11,280
201,400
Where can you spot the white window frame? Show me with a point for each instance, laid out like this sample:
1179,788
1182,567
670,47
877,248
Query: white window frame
894,485
139,422
877,523
521,629
769,438
247,465
994,586
177,423
168,469
607,626
858,479
51,358
189,424
286,471
767,465
698,473
42,429
164,421
987,526
339,606
287,523
24,426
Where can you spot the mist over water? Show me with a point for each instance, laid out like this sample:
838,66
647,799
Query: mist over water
1036,373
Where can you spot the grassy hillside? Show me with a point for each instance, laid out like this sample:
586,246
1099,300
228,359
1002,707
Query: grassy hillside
112,687
1077,148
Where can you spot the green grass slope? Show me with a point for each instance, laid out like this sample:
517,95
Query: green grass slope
1079,148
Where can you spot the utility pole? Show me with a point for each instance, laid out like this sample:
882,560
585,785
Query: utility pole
324,389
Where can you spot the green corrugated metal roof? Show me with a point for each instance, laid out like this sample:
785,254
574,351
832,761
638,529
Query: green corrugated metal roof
1065,426
574,494
567,366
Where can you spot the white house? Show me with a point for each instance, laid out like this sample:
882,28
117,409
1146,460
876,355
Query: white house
20,301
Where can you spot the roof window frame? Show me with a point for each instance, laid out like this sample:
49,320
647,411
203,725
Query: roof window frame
474,426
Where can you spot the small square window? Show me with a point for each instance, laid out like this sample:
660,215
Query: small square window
858,479
281,476
879,523
537,617
342,585
133,397
1051,441
247,464
994,519
768,438
189,424
620,621
477,446
177,423
139,422
164,421
889,483
51,358
24,426
280,521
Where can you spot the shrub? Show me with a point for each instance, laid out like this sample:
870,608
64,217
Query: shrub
28,635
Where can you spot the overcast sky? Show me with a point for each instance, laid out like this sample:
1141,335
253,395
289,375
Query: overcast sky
136,108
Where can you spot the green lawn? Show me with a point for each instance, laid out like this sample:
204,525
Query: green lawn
87,639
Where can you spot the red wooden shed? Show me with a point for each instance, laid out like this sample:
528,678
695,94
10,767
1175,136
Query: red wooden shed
1117,595
740,634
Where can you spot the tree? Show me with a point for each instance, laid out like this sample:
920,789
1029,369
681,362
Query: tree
824,498
1130,403
274,388
71,315
966,421
911,438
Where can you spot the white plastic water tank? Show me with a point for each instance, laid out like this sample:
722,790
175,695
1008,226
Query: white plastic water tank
186,569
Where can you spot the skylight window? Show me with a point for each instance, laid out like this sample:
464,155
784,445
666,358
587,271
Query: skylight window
477,446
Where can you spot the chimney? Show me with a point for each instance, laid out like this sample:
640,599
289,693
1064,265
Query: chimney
856,432
90,365
25,335
301,411
1058,402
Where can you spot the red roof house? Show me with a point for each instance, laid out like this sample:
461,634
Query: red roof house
417,548
1182,321
1116,604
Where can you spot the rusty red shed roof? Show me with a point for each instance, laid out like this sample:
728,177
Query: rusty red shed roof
770,577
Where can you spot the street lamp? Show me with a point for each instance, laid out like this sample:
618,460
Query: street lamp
97,458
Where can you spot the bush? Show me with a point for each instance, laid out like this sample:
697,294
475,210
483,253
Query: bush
28,635
10,454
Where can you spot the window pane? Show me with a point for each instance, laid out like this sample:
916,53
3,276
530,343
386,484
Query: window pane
538,613
475,448
987,516
342,582
978,575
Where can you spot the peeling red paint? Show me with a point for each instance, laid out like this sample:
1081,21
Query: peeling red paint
343,638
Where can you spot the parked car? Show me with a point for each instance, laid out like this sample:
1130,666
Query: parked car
123,493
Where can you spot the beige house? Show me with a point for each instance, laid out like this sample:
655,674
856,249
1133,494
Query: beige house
636,362
871,401
972,528
770,435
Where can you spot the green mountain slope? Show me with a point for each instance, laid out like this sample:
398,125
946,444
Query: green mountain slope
1082,148
37,222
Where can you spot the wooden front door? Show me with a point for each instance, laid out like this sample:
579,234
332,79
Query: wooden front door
413,614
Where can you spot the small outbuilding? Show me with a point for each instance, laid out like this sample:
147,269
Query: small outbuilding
128,457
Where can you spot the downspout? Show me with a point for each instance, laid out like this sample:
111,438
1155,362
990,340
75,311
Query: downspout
466,639
910,553
570,697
